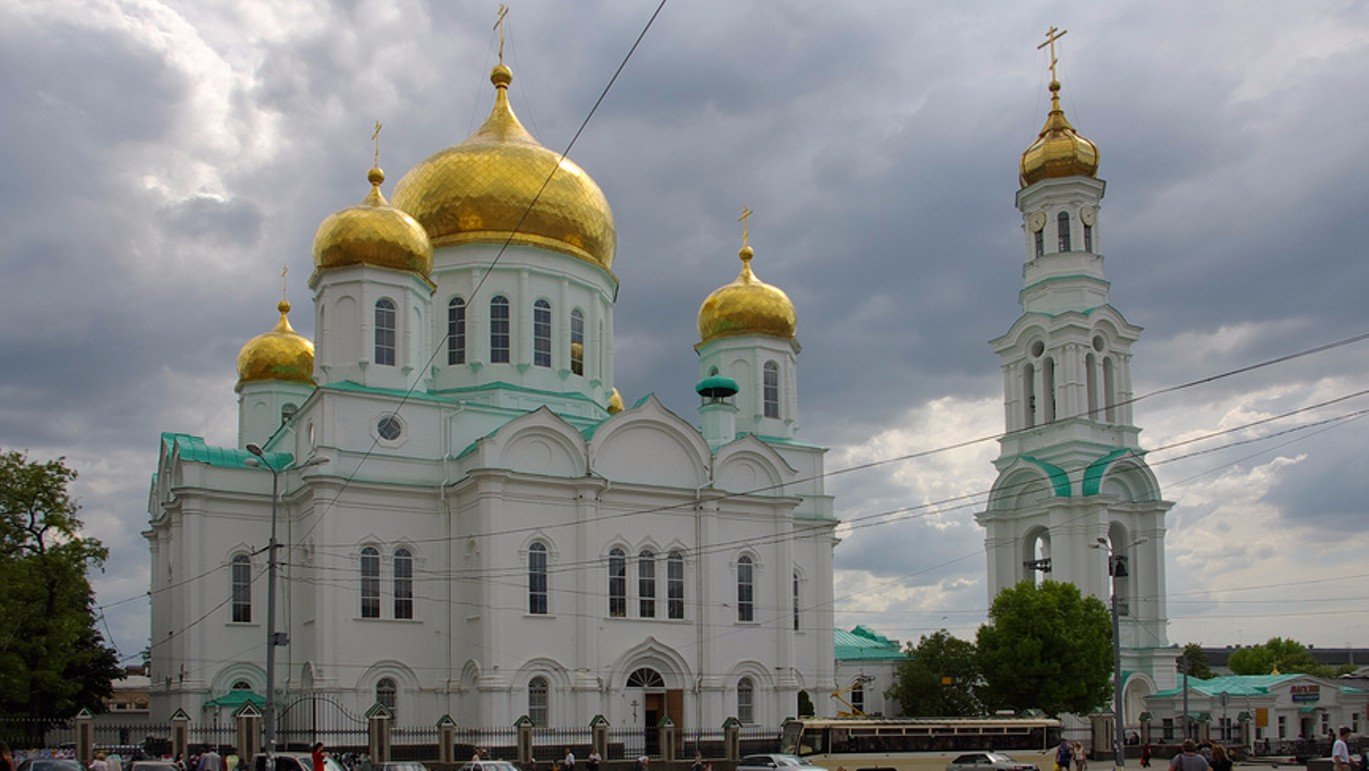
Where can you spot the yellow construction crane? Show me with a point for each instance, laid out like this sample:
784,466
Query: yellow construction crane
839,694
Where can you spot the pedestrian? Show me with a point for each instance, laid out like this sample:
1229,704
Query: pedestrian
1189,759
1145,755
594,760
1063,755
1081,758
642,761
568,763
698,764
99,764
231,760
6,758
1340,751
316,756
211,760
1220,760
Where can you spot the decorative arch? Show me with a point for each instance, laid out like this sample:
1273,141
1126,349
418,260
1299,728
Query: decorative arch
1021,486
1134,693
238,670
748,464
652,653
557,676
398,671
651,445
1123,475
537,443
1036,545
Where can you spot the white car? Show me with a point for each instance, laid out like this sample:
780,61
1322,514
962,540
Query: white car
988,761
771,761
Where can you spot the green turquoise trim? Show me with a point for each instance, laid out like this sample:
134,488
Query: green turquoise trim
445,396
783,440
1093,475
716,383
1059,479
862,644
500,385
643,400
193,449
1067,277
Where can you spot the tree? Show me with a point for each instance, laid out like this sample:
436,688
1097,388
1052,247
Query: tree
1195,659
1286,655
939,679
1046,647
53,660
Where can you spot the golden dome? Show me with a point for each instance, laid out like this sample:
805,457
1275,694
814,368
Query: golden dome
281,354
1059,150
373,233
481,189
615,402
747,306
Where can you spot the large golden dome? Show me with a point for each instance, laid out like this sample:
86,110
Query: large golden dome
373,233
484,188
1059,150
281,354
747,306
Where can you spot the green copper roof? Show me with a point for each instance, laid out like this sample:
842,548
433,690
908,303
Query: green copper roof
236,699
194,449
1059,479
717,385
863,644
1093,475
1236,685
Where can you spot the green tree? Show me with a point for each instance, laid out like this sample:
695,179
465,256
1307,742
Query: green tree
1196,661
53,660
1046,647
939,679
1288,656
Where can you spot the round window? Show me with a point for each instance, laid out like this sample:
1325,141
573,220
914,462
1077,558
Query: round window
1038,348
1098,343
389,428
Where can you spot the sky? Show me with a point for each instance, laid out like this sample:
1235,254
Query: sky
164,159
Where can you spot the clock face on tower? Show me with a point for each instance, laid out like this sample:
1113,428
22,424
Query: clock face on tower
1036,220
1088,215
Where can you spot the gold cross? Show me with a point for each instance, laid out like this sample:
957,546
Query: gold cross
499,25
375,140
283,270
746,233
1051,37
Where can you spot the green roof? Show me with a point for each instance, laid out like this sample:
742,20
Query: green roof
194,449
236,699
1235,685
864,644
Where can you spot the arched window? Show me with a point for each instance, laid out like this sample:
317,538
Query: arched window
646,584
770,394
539,706
617,584
1048,390
1041,242
537,579
1029,396
1109,394
1088,238
386,693
499,330
674,585
645,678
242,588
385,332
404,584
858,698
456,331
746,701
240,685
577,342
370,583
1091,384
746,590
1062,231
541,333
796,600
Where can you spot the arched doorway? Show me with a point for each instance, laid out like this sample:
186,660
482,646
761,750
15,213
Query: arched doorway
651,701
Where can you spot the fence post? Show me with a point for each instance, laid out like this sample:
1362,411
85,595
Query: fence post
247,718
524,726
180,734
378,732
599,735
666,731
1145,728
732,739
446,739
1247,735
85,736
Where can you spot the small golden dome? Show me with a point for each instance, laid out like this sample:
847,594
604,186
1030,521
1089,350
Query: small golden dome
1059,150
615,402
747,306
481,189
281,354
373,233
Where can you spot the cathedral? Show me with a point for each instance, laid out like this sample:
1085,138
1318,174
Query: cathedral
471,521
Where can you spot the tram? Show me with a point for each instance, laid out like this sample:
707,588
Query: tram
825,736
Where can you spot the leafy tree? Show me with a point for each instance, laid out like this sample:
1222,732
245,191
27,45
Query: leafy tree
939,679
1046,647
53,660
1196,661
1286,655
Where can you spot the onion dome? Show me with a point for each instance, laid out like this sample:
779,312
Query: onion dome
501,181
373,233
717,387
615,402
747,306
281,354
1059,150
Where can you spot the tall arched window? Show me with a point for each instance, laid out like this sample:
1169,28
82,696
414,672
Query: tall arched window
537,579
577,342
541,333
242,588
746,590
617,583
746,701
796,600
1048,390
370,582
1062,231
858,698
646,584
1091,384
387,693
1109,392
385,332
1029,395
770,394
499,330
1088,238
1041,242
539,705
674,585
404,584
456,331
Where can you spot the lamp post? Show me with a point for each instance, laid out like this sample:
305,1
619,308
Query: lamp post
1114,568
272,638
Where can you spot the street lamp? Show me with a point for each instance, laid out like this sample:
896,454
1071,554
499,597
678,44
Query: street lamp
1114,568
272,638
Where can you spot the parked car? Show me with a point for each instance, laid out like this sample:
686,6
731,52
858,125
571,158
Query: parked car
983,761
399,765
153,765
491,765
776,760
294,761
50,764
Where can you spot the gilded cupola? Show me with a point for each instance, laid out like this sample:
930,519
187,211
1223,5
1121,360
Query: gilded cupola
373,233
747,306
501,181
1059,150
279,355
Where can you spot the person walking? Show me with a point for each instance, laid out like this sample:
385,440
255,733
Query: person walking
211,760
1189,759
1064,755
1220,760
1081,758
594,760
1340,751
568,764
316,756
